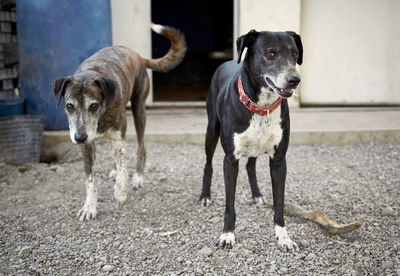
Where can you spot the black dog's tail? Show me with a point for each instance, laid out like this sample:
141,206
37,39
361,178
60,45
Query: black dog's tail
175,54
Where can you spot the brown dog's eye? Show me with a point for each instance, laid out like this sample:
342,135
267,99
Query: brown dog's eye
93,107
70,107
270,54
295,54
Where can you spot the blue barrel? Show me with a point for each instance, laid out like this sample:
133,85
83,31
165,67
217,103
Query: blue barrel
54,37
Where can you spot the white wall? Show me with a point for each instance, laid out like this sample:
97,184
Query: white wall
131,27
351,52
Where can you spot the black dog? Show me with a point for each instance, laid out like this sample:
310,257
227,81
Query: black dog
247,107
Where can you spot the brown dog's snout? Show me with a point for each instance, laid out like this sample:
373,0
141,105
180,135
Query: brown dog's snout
80,138
293,80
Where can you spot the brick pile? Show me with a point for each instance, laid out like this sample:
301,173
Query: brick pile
8,47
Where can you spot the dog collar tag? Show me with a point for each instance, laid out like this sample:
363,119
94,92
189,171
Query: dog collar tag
253,107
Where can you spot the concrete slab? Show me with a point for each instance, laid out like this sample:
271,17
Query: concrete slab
332,126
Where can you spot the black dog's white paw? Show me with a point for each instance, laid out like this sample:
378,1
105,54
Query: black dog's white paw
284,242
205,201
259,201
226,241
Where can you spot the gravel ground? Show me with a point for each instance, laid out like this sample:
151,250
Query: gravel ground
162,229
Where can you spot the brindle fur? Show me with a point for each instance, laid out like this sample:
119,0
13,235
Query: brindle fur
110,78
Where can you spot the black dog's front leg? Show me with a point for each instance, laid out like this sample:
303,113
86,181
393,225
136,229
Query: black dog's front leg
251,173
278,178
231,164
89,208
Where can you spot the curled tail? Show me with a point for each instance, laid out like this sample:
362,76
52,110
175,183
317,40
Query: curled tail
175,54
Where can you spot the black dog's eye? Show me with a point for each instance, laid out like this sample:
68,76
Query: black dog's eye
270,54
93,107
295,54
70,107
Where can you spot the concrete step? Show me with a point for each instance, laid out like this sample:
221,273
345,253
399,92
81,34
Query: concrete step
331,126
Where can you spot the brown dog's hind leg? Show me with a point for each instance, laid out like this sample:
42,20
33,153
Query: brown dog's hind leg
138,105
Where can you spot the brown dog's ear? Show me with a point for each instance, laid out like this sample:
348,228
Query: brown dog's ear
59,87
244,41
299,45
107,87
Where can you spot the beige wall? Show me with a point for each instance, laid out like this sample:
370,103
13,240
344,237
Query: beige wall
131,27
352,52
268,15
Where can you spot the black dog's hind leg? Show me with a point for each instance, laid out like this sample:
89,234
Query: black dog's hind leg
212,136
251,173
213,131
278,177
231,168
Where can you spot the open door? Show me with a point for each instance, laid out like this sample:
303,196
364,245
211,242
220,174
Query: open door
208,28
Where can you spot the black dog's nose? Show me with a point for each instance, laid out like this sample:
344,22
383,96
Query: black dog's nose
80,138
293,80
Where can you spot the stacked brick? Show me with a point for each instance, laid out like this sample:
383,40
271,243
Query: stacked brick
8,47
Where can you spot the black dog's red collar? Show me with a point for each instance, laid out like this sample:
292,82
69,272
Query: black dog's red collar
253,107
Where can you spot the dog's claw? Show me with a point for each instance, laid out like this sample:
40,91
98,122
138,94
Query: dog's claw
86,213
205,201
288,247
226,241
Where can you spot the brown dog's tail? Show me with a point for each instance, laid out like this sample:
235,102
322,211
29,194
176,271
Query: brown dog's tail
175,54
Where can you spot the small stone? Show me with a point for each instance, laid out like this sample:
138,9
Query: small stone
310,256
316,233
388,211
22,169
304,243
351,165
205,251
357,265
167,234
108,268
25,250
214,219
387,264
91,260
40,259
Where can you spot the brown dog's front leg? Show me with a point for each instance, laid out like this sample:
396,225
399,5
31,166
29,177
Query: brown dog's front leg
89,208
121,180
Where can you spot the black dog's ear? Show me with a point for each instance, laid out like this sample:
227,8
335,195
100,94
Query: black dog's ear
244,41
59,87
107,87
299,45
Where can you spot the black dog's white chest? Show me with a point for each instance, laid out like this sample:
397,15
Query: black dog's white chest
260,137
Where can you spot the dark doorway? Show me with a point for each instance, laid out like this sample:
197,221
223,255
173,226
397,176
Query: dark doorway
208,28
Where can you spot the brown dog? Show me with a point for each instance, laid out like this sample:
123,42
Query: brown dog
95,99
